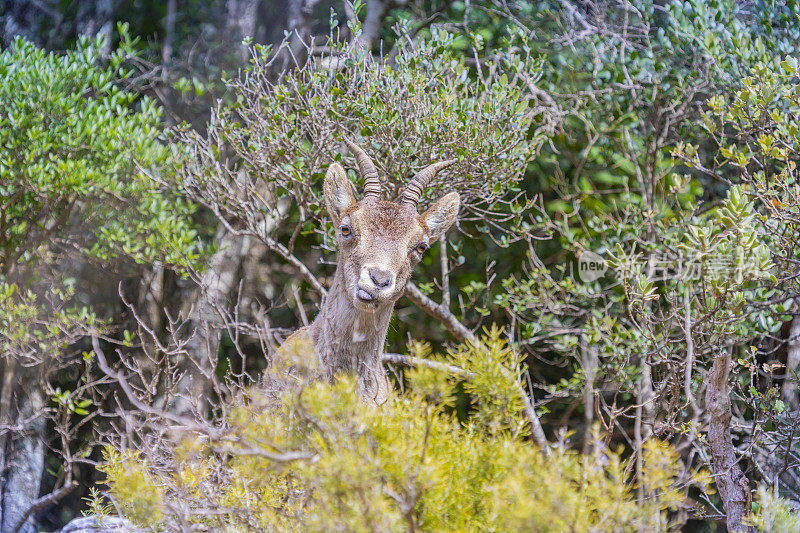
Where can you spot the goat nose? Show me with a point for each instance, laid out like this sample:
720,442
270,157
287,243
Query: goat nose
380,278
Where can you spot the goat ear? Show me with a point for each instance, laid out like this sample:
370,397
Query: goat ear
441,215
338,192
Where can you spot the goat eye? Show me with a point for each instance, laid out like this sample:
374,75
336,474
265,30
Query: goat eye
420,249
346,231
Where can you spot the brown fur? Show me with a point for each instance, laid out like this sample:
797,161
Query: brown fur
348,334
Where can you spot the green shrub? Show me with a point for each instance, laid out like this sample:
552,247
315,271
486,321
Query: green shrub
69,134
321,459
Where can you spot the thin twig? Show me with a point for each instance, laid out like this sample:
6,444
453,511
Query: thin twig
102,363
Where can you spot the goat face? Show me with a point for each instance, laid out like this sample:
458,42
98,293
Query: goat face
381,242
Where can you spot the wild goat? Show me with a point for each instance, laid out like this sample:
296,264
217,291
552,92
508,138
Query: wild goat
380,243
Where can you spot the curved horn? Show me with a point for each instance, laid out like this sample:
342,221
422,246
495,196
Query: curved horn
413,191
372,187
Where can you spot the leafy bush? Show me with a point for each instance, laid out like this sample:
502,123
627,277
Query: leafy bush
774,514
67,135
322,459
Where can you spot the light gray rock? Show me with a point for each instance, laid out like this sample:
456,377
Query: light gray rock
104,524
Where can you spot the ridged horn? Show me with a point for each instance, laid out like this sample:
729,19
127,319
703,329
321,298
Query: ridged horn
413,191
372,186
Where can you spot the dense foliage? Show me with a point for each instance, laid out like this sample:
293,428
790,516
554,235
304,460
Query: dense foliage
323,459
68,131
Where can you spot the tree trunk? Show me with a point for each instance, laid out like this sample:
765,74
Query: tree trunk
789,389
299,22
20,17
22,452
96,19
240,23
589,362
733,486
211,303
371,27
169,37
217,287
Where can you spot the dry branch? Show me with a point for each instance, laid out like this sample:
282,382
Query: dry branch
441,313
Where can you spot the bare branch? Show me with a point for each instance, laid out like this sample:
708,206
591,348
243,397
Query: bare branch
44,501
410,360
448,319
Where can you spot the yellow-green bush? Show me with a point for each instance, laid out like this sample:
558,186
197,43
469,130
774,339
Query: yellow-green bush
774,514
134,490
324,460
